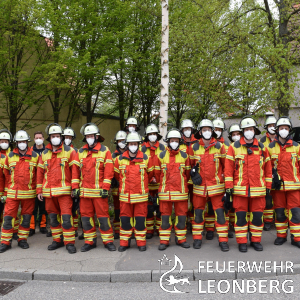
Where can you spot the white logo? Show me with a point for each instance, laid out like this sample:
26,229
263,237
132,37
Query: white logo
171,280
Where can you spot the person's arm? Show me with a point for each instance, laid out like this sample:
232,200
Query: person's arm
108,171
229,168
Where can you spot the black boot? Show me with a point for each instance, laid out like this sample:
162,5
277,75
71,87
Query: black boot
197,244
110,246
243,248
184,245
224,246
297,244
123,248
257,246
142,248
87,247
4,247
49,234
23,244
55,245
15,236
267,226
209,235
280,241
162,247
116,236
71,248
43,230
149,236
31,232
81,237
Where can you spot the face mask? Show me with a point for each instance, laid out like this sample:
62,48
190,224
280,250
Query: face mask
4,146
121,145
133,148
283,133
218,133
236,138
131,129
206,135
55,141
249,135
68,142
271,130
152,138
90,141
187,133
174,145
22,146
39,142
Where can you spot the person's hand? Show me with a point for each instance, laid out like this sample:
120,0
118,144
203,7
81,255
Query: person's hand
3,199
195,176
75,193
104,194
40,197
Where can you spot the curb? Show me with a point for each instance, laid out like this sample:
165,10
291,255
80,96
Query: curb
133,276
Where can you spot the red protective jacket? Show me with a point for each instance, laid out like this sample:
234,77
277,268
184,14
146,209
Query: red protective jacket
58,172
225,143
5,153
266,140
211,162
153,152
133,176
173,173
2,175
286,158
187,146
248,174
115,191
97,170
20,171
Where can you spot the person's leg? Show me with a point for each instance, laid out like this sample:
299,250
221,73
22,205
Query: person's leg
199,203
27,207
140,213
126,222
293,207
181,209
166,223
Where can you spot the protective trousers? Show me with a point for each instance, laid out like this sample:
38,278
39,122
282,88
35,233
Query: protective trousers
10,214
117,213
269,210
39,214
181,209
133,218
191,208
151,219
88,208
287,212
255,206
59,210
220,222
209,216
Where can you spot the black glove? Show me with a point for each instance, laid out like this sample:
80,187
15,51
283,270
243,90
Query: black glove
155,200
268,191
276,182
114,183
76,200
228,199
150,199
104,193
195,176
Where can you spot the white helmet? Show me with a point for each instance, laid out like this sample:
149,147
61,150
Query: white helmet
21,135
152,128
53,128
91,128
120,135
219,123
205,123
249,121
186,123
270,120
174,133
133,137
5,135
132,121
69,131
234,127
284,121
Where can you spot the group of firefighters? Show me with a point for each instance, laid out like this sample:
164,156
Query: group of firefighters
195,179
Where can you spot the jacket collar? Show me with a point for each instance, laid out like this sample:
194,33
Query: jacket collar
95,149
221,140
27,154
173,152
139,155
59,149
212,143
192,141
254,145
156,145
288,142
35,148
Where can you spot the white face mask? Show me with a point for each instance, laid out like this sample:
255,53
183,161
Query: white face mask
68,142
4,146
236,138
55,141
174,145
22,146
206,134
152,138
187,133
131,129
90,141
39,142
271,130
249,135
218,133
133,148
121,145
283,133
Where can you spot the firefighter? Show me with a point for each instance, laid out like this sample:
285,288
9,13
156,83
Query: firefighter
70,135
152,147
57,180
97,170
5,140
133,170
248,179
20,172
120,141
39,208
131,125
172,173
207,160
269,125
285,155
